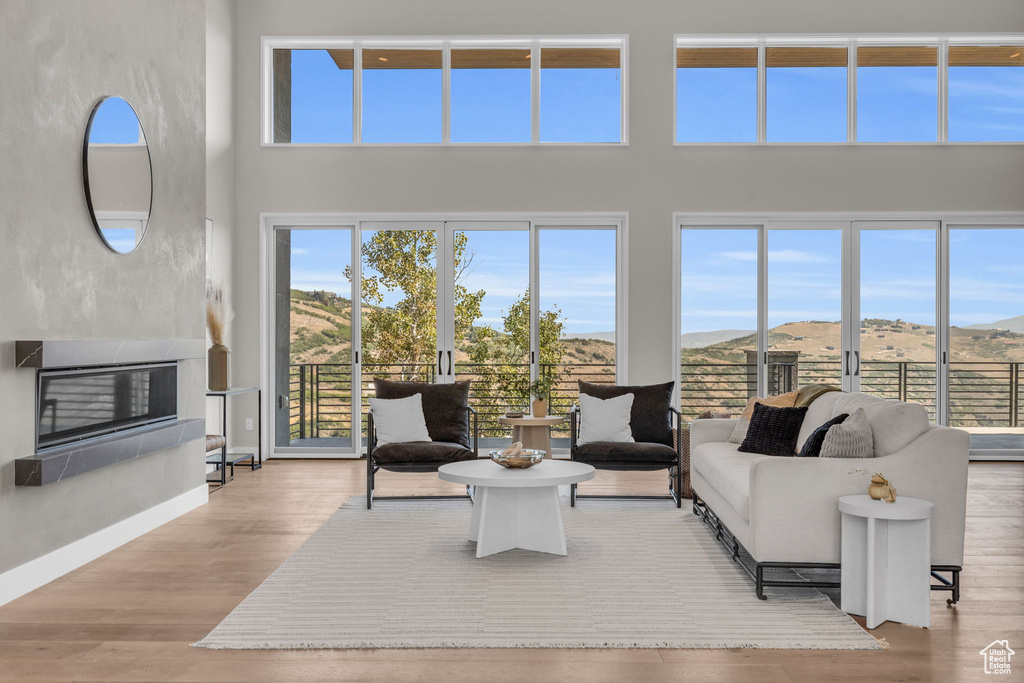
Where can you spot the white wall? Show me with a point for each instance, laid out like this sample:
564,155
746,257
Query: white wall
649,179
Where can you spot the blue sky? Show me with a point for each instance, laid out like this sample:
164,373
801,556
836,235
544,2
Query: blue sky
719,276
114,123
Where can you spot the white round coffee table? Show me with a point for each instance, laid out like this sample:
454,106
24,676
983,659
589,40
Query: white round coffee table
516,508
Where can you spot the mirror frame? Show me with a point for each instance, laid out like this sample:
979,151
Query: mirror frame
85,173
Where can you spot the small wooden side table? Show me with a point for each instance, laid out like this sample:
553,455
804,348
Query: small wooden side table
886,555
534,432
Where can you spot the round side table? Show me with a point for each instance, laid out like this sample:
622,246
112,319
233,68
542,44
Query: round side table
516,508
886,559
534,432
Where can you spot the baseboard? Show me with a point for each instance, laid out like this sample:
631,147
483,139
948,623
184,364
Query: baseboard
38,572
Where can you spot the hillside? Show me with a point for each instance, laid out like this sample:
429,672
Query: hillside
1015,324
894,340
321,332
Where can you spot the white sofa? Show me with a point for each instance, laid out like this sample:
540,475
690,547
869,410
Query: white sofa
784,511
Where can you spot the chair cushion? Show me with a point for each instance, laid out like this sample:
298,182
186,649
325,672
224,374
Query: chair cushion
649,416
625,452
727,471
444,406
427,452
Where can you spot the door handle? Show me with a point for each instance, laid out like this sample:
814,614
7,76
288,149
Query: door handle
856,354
449,363
440,356
282,401
357,358
847,363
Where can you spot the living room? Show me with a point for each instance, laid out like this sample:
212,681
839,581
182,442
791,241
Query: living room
658,246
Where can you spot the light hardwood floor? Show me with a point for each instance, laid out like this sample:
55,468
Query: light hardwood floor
131,614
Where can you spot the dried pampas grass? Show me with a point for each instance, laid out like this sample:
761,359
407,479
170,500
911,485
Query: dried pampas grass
218,313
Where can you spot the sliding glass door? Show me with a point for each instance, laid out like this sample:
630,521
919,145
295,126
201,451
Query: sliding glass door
804,296
489,325
313,351
986,336
895,344
501,303
914,310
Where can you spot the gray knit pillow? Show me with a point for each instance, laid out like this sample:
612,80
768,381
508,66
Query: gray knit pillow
851,439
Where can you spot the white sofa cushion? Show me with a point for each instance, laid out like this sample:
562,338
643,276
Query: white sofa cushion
727,471
818,413
894,424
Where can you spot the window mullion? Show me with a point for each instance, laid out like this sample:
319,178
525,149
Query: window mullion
762,95
535,93
446,93
943,94
851,92
357,94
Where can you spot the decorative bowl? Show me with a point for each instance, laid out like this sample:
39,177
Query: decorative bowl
521,460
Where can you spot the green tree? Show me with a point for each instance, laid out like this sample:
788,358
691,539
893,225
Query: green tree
405,334
503,358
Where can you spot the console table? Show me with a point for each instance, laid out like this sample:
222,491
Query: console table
225,459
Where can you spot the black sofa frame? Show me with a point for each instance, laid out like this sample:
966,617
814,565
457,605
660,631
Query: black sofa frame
755,570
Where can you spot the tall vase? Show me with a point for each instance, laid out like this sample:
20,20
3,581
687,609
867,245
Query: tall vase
217,367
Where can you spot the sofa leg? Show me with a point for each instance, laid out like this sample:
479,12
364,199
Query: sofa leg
572,495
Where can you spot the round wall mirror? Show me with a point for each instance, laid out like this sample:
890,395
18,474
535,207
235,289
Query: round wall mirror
118,174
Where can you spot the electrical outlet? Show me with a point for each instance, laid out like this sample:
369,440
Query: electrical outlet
248,424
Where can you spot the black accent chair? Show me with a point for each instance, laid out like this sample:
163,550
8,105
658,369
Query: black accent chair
651,424
449,417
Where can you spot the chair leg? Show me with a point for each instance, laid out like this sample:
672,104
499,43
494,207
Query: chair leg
679,487
572,495
369,483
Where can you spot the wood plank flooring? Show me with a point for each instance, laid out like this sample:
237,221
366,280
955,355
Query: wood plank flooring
131,614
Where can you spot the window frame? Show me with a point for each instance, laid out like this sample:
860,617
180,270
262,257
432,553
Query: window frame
444,43
851,41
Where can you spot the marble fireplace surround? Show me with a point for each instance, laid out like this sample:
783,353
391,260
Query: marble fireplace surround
59,463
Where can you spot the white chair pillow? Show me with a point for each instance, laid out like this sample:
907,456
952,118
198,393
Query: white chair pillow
399,420
605,419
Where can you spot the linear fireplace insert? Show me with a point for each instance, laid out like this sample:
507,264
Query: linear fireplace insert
72,405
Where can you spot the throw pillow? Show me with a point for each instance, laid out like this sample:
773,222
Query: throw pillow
739,432
605,420
649,419
787,400
812,447
851,439
773,431
444,406
399,420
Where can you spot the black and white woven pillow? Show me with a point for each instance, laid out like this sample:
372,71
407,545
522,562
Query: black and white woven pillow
812,447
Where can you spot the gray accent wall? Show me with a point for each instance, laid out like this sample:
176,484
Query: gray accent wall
649,179
58,280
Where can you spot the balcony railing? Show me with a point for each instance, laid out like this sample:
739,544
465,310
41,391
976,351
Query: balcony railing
320,394
981,394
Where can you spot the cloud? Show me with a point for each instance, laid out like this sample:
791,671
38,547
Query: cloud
778,256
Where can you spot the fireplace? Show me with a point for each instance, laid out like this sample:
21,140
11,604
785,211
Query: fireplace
79,404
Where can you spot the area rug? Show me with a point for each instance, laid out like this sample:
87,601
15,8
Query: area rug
639,574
